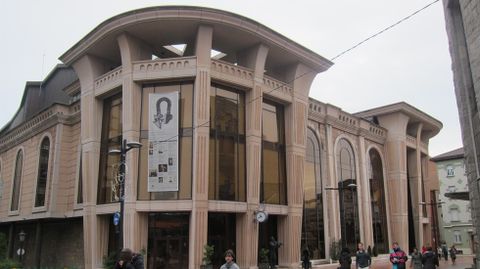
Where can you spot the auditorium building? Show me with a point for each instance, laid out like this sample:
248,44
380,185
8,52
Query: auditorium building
222,146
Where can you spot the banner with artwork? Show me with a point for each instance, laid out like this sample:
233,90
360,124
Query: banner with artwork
163,142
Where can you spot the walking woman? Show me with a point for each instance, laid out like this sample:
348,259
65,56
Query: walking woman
453,254
416,259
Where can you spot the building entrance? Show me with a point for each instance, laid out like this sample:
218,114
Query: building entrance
221,235
168,240
265,231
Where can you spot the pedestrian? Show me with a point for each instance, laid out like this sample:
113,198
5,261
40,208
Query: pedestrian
345,259
229,263
363,259
398,257
272,253
453,253
125,259
416,259
429,259
137,261
424,249
439,253
445,251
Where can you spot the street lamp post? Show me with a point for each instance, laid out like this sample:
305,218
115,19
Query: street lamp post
340,189
21,250
125,147
435,233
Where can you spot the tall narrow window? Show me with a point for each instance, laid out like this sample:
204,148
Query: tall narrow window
227,144
17,180
80,183
108,184
273,182
42,174
313,237
378,207
1,181
349,220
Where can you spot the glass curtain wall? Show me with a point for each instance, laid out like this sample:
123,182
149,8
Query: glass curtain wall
313,234
273,187
377,196
185,144
227,144
349,219
108,183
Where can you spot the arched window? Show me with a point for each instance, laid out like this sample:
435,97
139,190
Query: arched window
377,197
1,180
42,174
313,229
349,221
17,180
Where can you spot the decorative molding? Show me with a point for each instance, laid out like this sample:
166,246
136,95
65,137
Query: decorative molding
164,68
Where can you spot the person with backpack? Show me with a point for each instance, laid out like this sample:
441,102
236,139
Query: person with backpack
125,259
398,257
430,259
137,261
345,259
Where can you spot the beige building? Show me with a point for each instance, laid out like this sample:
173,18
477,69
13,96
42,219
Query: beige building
220,104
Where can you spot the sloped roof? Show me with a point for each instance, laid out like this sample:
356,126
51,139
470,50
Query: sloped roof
451,155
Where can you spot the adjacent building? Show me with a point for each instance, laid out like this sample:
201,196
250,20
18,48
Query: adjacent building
463,29
233,151
456,226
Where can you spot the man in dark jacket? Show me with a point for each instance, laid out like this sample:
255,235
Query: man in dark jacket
429,259
137,261
363,258
345,259
398,257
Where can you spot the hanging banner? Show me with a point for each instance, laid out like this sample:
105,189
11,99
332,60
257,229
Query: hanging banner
163,142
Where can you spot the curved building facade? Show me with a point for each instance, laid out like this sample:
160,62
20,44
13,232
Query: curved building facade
220,106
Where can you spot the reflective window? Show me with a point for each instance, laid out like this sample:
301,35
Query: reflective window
273,182
80,182
185,144
377,197
42,172
17,178
349,219
313,237
227,144
168,235
108,183
450,171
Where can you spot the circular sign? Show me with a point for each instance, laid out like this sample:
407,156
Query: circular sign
116,218
20,252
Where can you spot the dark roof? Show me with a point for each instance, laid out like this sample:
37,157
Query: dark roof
451,155
39,95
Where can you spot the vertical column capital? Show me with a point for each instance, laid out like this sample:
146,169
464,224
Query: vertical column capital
301,78
132,49
203,45
254,58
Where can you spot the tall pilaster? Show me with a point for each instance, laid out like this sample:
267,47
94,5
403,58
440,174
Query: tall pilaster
363,195
88,68
201,135
396,180
247,232
131,49
290,226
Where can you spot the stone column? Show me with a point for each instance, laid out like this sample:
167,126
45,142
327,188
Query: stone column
247,228
201,136
296,115
396,180
363,195
331,197
131,49
88,68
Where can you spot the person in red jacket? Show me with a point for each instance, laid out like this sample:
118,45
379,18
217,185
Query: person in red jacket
398,257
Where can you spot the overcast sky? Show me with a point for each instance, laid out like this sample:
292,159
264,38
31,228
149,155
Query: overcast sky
409,62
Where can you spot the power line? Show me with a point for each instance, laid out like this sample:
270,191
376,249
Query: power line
384,30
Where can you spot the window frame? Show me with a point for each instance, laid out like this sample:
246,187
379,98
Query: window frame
14,168
76,204
47,180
